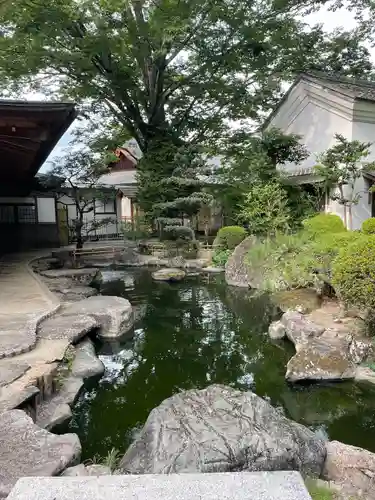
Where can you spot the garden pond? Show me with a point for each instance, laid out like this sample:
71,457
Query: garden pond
200,332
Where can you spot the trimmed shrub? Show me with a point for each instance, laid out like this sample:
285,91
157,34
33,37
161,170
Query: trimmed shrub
230,236
326,246
324,223
353,273
220,257
368,226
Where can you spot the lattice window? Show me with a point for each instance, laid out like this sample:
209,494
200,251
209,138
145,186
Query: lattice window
7,214
26,214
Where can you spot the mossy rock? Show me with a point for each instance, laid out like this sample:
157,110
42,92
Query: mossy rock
169,274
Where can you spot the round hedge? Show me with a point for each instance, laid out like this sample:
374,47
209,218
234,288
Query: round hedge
324,223
353,273
368,226
229,237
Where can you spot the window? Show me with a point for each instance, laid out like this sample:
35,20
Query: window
26,214
105,207
7,214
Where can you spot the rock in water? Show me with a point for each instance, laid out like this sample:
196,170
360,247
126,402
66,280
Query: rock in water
237,272
169,274
352,468
220,429
276,330
28,450
86,364
114,315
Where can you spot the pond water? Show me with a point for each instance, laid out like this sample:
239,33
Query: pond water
193,334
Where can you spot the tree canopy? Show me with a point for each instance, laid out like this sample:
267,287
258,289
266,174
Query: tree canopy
168,68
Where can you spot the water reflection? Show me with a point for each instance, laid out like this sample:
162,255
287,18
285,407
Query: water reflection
191,335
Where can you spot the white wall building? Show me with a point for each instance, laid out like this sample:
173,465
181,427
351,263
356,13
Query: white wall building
317,107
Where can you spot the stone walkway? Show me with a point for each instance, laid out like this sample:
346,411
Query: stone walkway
24,300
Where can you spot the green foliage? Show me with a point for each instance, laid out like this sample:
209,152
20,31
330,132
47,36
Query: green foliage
340,166
230,236
165,66
136,229
319,492
353,273
368,226
220,257
111,460
265,209
324,223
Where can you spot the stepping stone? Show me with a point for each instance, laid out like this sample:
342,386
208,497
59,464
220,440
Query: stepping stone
28,450
11,370
278,485
17,334
72,328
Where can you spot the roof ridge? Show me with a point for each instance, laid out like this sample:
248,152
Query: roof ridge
337,78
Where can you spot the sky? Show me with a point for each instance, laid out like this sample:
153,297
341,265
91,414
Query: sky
330,20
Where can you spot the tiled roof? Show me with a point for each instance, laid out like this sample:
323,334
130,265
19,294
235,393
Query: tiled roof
358,89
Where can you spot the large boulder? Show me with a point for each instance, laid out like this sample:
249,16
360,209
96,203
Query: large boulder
170,274
114,315
28,450
325,350
86,364
220,429
351,468
237,273
72,328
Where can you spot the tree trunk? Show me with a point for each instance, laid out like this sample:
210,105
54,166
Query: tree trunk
344,206
78,230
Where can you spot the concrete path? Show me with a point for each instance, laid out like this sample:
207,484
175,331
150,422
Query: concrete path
24,300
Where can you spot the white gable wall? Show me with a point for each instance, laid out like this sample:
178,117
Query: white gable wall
317,114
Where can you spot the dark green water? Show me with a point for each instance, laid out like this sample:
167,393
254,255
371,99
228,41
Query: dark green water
194,334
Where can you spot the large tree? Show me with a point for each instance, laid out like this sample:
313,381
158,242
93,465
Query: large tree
165,69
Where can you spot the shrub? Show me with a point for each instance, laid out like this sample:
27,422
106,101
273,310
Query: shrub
324,223
265,209
220,257
230,236
353,273
368,226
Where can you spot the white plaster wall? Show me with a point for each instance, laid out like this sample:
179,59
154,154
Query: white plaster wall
46,210
126,207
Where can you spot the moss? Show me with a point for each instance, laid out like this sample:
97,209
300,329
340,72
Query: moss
220,257
324,223
368,226
229,237
319,492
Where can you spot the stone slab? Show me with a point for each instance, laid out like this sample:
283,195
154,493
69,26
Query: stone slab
73,328
28,450
51,414
11,370
17,334
227,486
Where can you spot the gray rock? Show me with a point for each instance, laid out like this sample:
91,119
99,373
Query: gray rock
113,314
75,293
352,468
237,272
234,486
72,327
359,350
318,361
213,270
53,413
169,274
15,398
17,334
299,329
71,389
221,429
11,370
364,374
77,470
28,450
98,470
86,364
178,262
84,274
276,330
87,470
